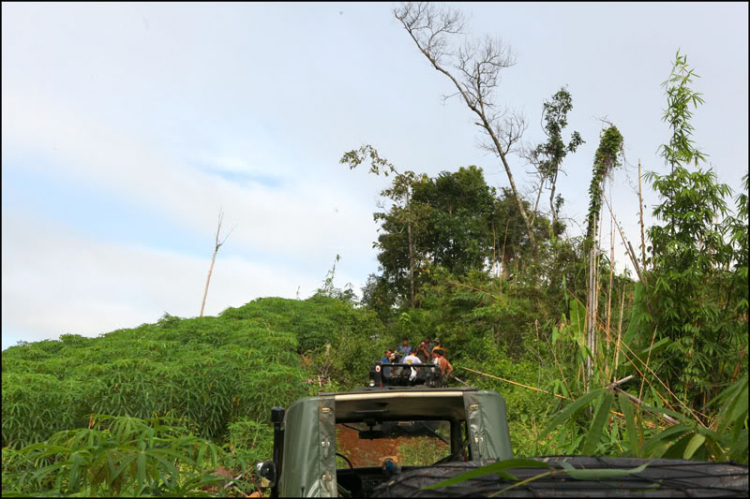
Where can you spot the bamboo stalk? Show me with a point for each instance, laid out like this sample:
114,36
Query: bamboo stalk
516,383
692,412
643,237
611,278
619,334
628,246
648,359
612,386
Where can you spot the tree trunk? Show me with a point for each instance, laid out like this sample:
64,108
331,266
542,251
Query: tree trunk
591,310
213,258
552,202
536,204
504,258
210,270
411,268
521,209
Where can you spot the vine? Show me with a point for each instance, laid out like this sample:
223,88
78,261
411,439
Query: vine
607,158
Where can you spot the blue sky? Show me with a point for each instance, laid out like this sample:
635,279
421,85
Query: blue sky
126,127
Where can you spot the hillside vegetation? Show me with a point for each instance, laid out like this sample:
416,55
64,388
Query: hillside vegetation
648,363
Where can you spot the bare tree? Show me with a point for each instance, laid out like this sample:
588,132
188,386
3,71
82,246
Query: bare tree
213,259
474,69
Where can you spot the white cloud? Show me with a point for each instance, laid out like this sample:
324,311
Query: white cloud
56,280
311,219
160,105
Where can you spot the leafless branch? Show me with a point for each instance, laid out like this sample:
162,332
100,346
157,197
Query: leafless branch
217,245
475,69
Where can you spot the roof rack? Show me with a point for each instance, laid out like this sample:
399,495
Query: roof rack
399,374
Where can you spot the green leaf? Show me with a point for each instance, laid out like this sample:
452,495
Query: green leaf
570,410
666,437
498,467
600,418
693,445
598,474
627,411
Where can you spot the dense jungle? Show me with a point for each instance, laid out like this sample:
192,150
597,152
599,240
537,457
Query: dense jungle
543,317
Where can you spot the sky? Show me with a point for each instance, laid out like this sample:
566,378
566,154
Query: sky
126,128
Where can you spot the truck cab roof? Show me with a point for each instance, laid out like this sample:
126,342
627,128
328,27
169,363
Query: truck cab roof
309,449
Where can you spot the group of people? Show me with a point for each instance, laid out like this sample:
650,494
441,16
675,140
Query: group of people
427,353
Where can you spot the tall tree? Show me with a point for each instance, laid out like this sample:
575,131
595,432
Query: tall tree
458,208
607,157
689,255
548,157
400,193
476,77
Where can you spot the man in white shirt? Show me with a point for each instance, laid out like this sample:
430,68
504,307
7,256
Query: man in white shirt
412,360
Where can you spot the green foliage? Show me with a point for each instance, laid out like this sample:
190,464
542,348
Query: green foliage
499,467
174,391
248,442
725,439
681,148
548,157
210,370
113,456
697,291
607,158
422,451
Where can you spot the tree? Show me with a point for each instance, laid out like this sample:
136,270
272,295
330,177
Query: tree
458,209
476,76
548,157
687,290
606,158
399,193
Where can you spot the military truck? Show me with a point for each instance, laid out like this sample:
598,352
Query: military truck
393,440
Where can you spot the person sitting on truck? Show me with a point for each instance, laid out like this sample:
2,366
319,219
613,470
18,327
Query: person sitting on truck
386,360
412,360
444,364
403,350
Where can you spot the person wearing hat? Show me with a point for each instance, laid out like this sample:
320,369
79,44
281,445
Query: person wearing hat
443,362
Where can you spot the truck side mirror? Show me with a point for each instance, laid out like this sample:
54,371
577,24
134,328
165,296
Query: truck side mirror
266,471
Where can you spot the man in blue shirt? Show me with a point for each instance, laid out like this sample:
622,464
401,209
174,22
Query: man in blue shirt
403,350
386,360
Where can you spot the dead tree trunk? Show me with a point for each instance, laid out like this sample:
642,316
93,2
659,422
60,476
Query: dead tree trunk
476,77
213,259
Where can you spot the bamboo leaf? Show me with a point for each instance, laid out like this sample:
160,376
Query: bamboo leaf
582,474
600,418
498,467
693,445
571,409
627,410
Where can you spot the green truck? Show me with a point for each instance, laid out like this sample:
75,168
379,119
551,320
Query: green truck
393,441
